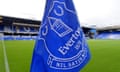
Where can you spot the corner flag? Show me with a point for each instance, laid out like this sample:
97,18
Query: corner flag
61,44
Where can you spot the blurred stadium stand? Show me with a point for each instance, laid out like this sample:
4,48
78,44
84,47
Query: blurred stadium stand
109,35
108,31
24,29
18,29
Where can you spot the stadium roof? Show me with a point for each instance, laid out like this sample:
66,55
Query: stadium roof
102,26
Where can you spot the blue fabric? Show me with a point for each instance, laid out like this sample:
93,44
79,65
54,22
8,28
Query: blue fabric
61,45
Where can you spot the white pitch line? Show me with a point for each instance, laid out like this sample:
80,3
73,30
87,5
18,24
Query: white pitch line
5,57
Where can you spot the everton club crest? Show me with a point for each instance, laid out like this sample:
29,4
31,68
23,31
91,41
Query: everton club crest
63,38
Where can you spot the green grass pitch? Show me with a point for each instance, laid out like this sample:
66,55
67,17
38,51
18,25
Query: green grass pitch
105,56
2,66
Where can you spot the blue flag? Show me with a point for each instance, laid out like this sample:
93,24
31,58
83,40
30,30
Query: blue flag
61,45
